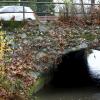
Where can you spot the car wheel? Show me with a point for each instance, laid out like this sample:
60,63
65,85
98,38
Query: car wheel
30,22
28,19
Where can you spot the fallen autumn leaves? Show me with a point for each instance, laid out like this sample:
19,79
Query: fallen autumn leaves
28,53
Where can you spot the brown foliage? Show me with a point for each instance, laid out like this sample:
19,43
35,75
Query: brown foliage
92,18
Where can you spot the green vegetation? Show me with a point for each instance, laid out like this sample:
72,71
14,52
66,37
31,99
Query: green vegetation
10,25
3,4
45,9
89,36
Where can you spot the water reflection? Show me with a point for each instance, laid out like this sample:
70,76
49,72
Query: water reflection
88,93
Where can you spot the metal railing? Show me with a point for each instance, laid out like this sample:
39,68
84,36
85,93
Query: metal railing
46,8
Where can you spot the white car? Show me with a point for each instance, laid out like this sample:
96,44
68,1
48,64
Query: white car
16,12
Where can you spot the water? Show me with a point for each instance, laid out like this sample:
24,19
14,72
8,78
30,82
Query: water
88,93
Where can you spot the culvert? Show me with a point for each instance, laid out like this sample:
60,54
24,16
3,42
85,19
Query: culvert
73,71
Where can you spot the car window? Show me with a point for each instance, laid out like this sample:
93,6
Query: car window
8,9
27,9
19,8
15,9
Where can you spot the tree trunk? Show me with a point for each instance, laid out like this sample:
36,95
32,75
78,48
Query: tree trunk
83,10
92,2
92,10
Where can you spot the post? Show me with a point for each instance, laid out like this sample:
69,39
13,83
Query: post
92,10
19,2
83,11
23,12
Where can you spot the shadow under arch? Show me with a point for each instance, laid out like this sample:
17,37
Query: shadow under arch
73,71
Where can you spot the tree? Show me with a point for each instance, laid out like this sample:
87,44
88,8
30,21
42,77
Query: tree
83,10
67,5
93,2
92,10
4,3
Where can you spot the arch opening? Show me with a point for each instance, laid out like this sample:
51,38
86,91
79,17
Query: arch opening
73,71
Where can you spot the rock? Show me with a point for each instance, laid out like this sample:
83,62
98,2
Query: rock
23,35
83,45
40,38
43,28
35,75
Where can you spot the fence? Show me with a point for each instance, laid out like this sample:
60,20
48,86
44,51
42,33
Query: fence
50,8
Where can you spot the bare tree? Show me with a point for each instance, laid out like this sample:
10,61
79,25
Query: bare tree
83,10
92,10
92,2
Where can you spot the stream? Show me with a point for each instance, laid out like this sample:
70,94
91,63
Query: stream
87,93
